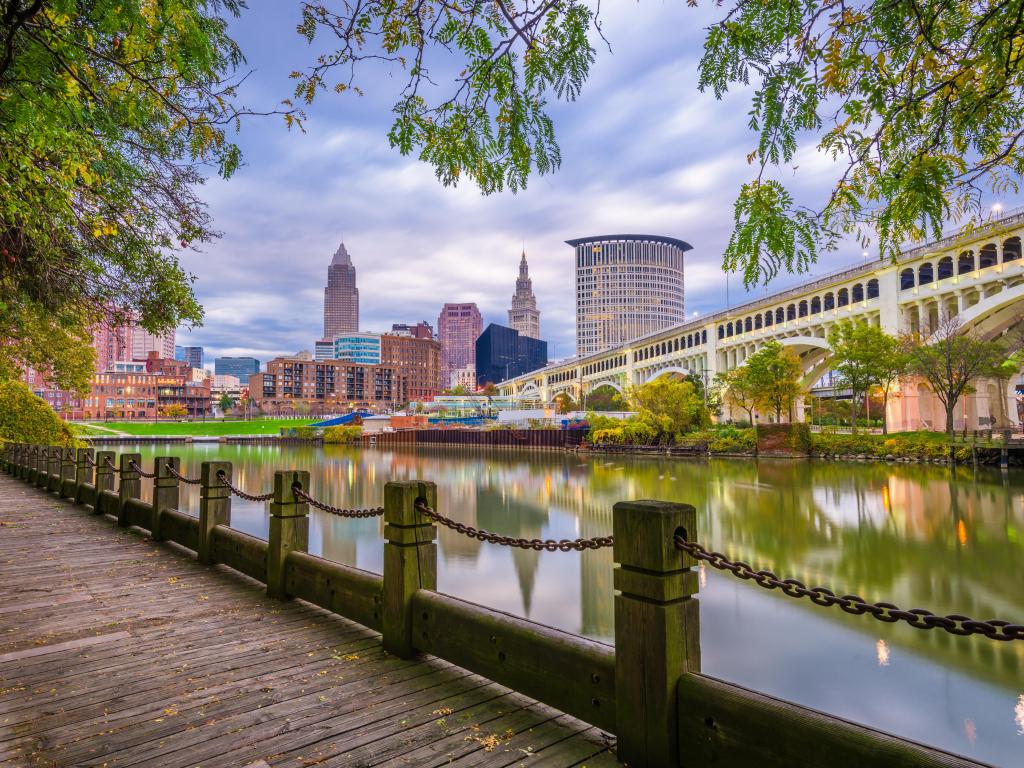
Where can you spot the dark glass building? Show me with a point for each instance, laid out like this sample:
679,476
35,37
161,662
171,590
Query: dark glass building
502,353
241,367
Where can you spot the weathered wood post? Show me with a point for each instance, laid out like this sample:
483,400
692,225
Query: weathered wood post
165,491
53,469
130,486
67,473
410,560
657,630
31,463
289,528
214,505
17,458
104,476
83,473
43,467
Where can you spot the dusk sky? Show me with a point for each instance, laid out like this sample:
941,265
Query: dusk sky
643,151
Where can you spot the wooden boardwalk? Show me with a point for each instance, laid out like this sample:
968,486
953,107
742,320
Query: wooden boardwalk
116,651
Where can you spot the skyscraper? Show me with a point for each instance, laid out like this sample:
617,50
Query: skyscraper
458,325
144,342
341,297
626,286
193,356
502,354
524,316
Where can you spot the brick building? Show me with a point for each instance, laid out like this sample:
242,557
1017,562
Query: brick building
417,361
325,386
144,390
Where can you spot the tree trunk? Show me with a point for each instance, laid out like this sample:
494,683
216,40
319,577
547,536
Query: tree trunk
885,412
949,418
853,414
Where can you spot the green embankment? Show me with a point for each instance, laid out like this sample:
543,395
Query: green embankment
207,428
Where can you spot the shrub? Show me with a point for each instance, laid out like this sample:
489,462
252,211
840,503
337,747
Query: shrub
342,434
25,418
305,433
911,445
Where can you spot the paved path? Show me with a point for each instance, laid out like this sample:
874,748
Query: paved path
115,651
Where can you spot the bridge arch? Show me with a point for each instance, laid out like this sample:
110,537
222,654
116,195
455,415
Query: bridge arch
595,385
990,316
663,371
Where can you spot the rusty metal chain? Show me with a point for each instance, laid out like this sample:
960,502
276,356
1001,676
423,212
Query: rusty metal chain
551,545
339,511
177,475
109,463
90,460
918,618
140,470
223,478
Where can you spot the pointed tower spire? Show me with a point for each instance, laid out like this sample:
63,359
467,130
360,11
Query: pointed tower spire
524,315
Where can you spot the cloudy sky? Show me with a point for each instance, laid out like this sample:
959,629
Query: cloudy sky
643,151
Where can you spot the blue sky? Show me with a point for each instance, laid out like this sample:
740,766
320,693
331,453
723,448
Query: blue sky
642,151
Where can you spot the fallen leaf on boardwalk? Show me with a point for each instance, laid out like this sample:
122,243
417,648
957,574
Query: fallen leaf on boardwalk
172,580
442,711
351,657
204,597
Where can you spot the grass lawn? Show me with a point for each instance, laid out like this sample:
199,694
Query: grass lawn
194,428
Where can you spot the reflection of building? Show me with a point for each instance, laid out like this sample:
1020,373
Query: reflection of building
497,511
626,286
524,316
502,353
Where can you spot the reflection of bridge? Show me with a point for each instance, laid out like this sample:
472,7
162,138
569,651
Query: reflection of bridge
978,279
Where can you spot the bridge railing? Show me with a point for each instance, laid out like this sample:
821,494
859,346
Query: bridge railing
647,690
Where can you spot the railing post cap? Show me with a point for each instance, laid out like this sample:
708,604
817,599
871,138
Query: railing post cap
400,498
209,471
284,479
84,452
644,532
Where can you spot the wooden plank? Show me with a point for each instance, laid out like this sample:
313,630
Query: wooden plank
81,642
341,589
726,725
54,602
566,671
246,554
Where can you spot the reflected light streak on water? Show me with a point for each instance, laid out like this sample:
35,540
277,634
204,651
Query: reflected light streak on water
882,651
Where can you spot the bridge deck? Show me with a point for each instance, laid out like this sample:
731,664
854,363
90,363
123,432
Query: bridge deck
116,651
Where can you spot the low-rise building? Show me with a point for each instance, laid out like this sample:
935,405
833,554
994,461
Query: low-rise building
358,347
417,361
292,385
464,377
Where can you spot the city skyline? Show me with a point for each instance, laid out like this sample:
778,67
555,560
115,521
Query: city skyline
667,160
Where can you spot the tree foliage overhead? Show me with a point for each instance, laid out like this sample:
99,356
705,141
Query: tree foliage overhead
110,114
917,101
503,59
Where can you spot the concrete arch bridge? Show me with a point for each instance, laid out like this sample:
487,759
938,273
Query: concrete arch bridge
977,278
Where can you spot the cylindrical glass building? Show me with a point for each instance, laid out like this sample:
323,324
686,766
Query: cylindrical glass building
626,286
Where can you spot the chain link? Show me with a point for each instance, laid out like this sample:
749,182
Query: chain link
223,478
109,463
551,545
178,476
339,511
918,618
140,470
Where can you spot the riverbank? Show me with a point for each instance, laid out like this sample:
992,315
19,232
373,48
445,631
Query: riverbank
206,428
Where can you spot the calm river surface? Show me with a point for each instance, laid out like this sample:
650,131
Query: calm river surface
912,535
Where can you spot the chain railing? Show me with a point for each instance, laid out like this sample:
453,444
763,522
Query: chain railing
222,477
339,511
918,618
550,545
138,468
110,465
178,476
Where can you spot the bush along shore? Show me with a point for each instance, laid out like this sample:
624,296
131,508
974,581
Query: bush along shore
906,447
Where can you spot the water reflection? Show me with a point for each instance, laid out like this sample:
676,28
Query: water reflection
915,536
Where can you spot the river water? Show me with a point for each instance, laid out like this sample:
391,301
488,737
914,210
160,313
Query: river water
916,536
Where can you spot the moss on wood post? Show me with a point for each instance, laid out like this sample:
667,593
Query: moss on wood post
289,528
130,486
166,494
214,505
83,472
410,560
657,631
